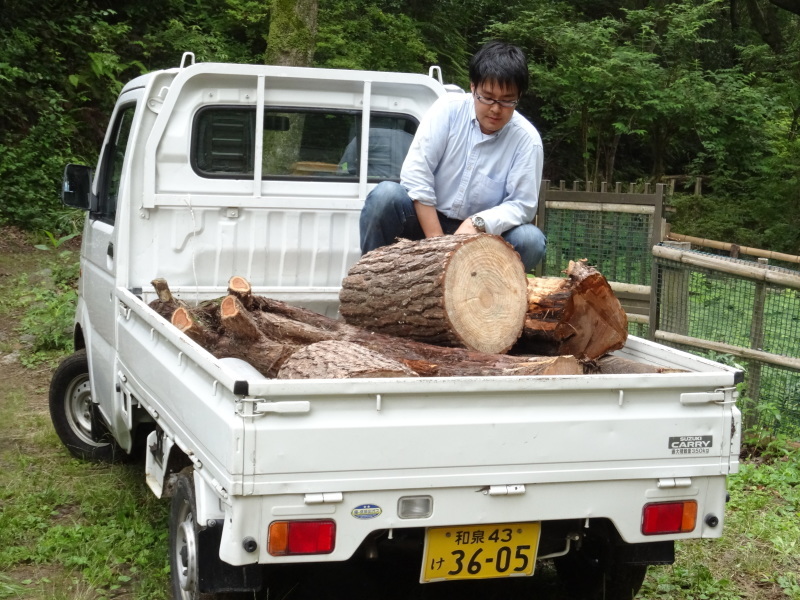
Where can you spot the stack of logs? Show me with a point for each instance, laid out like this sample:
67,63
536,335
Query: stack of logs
440,307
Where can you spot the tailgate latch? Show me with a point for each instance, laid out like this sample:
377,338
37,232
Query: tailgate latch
505,490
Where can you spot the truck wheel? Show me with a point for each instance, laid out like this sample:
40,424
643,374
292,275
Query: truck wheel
184,555
71,411
592,574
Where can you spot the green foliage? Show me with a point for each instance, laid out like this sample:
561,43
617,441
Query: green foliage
48,299
621,91
362,35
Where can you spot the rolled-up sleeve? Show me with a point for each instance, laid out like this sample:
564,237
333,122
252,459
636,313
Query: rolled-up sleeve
425,153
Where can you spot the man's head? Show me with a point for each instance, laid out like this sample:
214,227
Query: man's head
497,72
501,63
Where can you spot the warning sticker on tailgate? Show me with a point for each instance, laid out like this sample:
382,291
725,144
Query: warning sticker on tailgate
691,444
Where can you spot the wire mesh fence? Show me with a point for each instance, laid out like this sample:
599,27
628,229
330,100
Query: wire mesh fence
734,311
617,244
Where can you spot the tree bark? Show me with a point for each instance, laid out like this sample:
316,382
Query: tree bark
578,315
340,360
292,33
457,290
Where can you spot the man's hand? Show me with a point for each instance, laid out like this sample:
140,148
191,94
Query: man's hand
466,228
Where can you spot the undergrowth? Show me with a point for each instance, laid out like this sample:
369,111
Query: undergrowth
758,556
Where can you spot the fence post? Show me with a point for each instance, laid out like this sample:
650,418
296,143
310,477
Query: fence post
541,216
671,299
756,342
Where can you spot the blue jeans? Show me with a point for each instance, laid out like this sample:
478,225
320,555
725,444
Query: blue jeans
389,214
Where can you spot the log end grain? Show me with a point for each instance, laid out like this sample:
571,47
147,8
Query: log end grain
486,294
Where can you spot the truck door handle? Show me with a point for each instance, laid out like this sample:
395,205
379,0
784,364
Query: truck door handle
110,250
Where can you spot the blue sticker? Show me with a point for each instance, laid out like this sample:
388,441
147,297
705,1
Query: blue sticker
366,511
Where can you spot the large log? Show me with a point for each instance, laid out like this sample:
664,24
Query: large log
467,291
577,315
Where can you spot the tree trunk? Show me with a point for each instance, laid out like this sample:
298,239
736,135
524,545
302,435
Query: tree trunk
457,290
292,33
578,315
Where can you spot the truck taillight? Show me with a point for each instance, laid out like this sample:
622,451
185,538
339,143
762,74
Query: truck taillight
301,537
669,517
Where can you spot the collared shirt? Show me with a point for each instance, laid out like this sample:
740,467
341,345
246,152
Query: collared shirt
461,171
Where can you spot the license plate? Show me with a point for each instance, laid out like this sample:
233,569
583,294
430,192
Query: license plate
480,551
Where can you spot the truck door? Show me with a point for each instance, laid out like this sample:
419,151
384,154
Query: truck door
98,263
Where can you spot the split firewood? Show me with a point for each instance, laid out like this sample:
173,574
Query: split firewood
578,315
467,291
340,360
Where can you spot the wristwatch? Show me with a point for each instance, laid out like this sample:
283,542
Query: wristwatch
478,223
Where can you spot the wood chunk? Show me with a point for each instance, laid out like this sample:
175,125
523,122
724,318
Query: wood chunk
578,315
466,291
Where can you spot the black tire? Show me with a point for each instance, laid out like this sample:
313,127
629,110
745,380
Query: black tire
71,411
591,573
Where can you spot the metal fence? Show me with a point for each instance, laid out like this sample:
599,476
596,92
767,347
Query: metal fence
731,309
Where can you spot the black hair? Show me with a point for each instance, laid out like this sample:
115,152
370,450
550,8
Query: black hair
502,63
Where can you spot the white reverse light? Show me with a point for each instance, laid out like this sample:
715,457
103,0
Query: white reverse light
415,507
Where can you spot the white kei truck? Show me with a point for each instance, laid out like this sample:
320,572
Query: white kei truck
213,170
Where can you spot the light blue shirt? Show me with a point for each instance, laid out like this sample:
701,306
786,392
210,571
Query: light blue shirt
461,171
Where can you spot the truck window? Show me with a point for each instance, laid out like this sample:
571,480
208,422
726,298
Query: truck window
299,144
111,174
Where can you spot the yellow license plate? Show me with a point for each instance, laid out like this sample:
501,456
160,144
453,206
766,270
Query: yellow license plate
480,551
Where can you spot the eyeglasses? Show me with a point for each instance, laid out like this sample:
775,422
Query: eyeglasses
492,101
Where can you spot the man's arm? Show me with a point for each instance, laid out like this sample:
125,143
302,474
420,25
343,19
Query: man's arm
428,219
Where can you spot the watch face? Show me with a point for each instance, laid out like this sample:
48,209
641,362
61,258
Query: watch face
479,223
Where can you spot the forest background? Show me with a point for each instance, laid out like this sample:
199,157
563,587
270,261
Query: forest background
629,91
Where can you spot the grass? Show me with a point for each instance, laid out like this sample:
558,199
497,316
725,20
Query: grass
758,556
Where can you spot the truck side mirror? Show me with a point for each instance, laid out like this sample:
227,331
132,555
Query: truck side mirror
76,186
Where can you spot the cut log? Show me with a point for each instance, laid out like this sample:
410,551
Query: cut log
165,304
616,365
340,360
188,324
578,315
240,287
466,291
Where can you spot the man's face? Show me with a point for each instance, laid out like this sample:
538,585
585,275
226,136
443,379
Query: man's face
492,118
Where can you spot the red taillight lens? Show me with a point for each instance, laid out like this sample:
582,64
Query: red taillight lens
301,537
669,517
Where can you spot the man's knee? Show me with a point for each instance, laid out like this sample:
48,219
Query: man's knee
530,242
386,196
